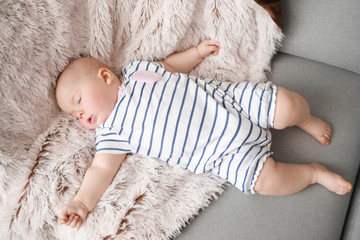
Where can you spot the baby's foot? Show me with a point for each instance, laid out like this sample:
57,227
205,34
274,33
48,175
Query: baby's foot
332,181
317,128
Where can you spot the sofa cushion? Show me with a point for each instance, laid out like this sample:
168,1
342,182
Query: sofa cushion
314,213
324,30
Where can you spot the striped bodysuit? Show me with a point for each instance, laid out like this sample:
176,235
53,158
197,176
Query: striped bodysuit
198,123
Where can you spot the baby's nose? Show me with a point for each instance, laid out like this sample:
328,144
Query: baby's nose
79,115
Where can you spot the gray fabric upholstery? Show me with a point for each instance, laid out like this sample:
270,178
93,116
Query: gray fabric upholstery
323,30
314,213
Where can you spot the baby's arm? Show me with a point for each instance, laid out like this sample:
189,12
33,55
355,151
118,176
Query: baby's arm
97,178
185,61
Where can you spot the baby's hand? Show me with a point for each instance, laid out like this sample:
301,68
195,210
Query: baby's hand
73,214
207,47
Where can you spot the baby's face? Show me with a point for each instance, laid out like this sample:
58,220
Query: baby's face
88,97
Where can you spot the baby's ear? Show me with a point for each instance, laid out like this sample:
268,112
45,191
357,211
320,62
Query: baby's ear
106,75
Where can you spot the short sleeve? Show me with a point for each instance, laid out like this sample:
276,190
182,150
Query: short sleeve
159,64
111,142
144,71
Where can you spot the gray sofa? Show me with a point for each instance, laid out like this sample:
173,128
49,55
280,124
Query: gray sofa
320,58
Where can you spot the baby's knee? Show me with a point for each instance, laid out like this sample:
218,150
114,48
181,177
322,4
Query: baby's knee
290,107
265,183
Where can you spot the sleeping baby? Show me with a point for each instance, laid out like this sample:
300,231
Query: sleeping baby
156,109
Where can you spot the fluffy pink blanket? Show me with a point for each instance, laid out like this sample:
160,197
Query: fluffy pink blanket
44,154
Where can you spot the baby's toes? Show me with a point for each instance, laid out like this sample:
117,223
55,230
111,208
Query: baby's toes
327,136
325,141
329,131
344,189
347,187
329,127
343,186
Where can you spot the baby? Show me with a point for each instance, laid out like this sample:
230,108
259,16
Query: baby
157,110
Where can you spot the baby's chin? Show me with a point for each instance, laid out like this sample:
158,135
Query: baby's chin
91,127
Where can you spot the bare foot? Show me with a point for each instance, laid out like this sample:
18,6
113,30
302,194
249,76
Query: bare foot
332,181
317,128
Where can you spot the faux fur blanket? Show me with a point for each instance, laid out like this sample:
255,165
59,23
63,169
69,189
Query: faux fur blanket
44,154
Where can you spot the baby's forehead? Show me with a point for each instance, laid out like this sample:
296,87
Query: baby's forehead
76,66
68,77
79,69
74,71
66,85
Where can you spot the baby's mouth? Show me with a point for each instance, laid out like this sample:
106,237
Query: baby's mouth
91,119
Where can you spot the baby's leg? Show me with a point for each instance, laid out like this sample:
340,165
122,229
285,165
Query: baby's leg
293,110
285,178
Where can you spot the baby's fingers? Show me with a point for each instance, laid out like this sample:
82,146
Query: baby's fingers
79,223
214,47
70,220
214,43
75,222
64,216
215,51
62,220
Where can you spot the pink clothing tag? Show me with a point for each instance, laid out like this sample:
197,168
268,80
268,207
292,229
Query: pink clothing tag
147,76
121,89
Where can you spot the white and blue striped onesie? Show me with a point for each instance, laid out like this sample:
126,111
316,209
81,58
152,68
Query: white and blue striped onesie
198,123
